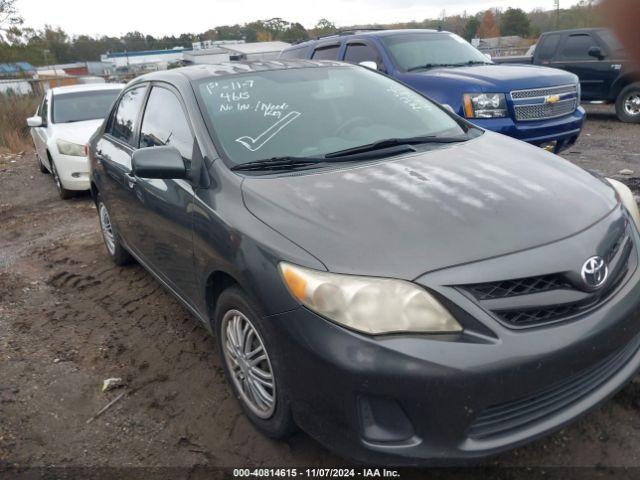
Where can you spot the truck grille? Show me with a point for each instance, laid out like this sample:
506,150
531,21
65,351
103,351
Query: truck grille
546,110
545,299
543,92
509,417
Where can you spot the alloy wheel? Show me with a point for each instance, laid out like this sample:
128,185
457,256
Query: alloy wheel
107,230
632,104
248,362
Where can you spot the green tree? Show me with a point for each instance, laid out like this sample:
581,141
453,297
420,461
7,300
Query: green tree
10,19
295,33
471,28
514,21
324,27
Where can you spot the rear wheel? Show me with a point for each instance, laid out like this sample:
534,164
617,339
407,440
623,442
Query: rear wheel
251,364
116,251
63,192
628,104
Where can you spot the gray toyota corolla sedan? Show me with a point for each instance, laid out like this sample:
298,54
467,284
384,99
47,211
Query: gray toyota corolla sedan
400,284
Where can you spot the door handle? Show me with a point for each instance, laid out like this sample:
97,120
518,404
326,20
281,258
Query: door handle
131,180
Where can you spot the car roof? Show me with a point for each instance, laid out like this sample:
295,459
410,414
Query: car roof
577,30
86,87
198,72
363,34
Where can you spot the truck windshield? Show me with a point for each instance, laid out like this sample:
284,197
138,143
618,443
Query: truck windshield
315,111
81,106
415,51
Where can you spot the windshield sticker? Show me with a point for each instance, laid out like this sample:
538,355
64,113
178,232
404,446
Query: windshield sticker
256,143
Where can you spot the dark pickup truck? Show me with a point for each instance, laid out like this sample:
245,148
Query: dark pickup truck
598,59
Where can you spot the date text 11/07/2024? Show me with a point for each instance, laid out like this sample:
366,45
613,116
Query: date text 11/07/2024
315,473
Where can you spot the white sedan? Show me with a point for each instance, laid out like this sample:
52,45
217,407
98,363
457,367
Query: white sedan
62,126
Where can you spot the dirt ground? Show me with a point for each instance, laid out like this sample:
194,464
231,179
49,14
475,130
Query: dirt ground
70,319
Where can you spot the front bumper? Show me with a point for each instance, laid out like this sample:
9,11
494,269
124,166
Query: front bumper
563,130
73,171
416,399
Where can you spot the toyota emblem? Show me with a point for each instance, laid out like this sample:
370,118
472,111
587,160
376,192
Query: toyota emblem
594,272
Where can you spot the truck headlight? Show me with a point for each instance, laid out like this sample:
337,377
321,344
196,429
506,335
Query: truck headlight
367,304
70,148
485,105
626,196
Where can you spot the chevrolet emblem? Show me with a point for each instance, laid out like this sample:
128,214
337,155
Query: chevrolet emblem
551,99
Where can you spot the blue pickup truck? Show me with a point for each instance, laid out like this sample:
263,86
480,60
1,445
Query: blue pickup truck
536,104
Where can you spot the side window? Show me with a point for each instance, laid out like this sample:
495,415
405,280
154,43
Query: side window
326,53
123,123
576,47
164,123
44,110
548,46
360,52
294,53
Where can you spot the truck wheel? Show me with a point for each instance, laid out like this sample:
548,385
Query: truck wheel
628,104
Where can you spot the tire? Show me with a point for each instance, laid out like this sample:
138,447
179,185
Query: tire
43,169
275,420
63,192
628,104
119,255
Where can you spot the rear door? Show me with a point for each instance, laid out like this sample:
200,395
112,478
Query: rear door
573,56
163,206
113,155
326,52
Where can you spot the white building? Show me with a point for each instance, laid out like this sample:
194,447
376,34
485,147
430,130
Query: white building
160,58
206,55
256,51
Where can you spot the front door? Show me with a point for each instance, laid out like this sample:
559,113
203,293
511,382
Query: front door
573,56
39,134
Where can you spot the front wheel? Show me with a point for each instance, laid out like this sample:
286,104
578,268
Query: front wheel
251,364
628,104
116,251
63,192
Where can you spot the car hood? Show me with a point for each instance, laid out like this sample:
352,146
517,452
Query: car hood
421,212
446,85
77,132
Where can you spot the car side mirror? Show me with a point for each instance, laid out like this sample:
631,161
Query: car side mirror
35,121
595,52
158,162
488,55
369,64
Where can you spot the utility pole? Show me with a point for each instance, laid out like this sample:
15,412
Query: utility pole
556,4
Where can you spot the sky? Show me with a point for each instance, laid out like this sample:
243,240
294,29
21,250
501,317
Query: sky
163,17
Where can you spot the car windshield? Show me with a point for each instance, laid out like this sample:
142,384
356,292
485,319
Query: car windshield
314,111
413,51
81,106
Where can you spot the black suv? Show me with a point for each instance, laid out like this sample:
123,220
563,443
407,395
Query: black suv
596,56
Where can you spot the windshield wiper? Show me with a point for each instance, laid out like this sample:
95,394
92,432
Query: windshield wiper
278,163
433,65
394,142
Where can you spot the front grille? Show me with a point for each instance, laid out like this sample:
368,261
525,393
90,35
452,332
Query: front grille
521,286
545,299
543,92
506,418
546,110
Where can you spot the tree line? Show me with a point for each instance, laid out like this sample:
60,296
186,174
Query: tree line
53,45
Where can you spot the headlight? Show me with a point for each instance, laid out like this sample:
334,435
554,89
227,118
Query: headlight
626,196
370,305
485,105
69,148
